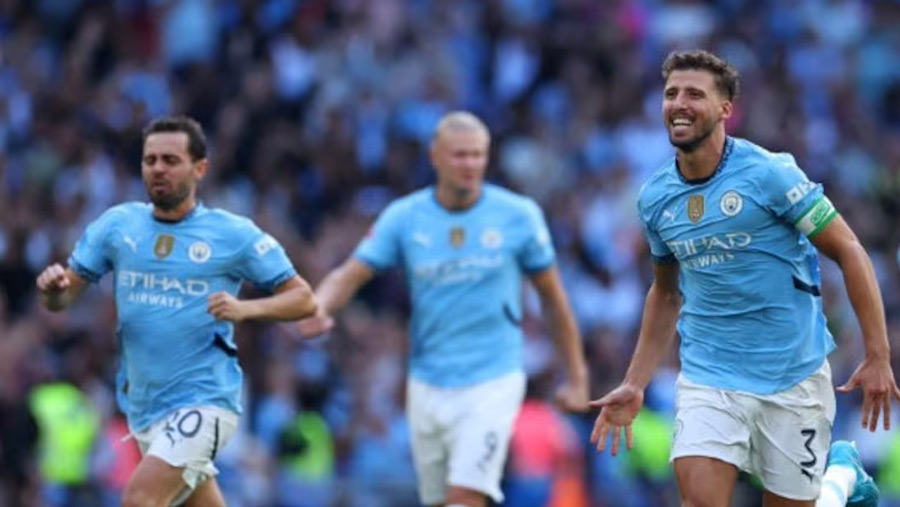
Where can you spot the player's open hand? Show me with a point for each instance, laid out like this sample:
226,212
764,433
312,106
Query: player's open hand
224,306
617,411
573,396
53,279
316,325
876,378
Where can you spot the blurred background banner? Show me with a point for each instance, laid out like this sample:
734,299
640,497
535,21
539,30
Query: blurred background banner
318,113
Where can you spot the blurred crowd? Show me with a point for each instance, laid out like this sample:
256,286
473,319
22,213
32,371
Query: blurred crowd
319,112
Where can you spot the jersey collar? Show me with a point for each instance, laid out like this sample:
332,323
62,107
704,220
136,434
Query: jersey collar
190,214
726,152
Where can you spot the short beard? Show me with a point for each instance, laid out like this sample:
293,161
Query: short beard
691,145
168,202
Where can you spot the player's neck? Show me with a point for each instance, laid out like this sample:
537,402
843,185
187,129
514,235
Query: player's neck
456,200
701,162
176,214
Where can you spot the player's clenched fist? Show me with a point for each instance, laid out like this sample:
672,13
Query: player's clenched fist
224,306
53,279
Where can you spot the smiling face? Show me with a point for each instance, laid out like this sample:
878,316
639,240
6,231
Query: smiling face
693,108
170,174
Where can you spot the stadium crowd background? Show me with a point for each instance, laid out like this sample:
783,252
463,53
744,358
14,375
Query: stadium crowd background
318,112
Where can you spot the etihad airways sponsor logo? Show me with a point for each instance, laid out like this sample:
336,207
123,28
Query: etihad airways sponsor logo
160,290
709,250
467,269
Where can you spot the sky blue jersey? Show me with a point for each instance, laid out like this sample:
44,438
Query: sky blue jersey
464,271
751,318
174,353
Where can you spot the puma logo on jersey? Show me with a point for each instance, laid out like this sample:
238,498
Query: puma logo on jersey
130,242
421,239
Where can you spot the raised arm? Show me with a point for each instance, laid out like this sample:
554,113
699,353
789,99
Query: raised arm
573,395
874,375
59,287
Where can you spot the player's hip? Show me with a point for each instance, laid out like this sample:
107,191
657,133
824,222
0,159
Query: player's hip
147,409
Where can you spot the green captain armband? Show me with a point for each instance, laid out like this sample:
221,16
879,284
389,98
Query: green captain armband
816,217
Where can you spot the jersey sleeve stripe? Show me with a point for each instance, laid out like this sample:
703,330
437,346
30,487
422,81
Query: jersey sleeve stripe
83,271
665,259
532,270
816,217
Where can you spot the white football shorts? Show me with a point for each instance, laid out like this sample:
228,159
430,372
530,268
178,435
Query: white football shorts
460,436
782,438
189,438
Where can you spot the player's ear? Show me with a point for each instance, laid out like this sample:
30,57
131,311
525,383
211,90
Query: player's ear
727,109
200,169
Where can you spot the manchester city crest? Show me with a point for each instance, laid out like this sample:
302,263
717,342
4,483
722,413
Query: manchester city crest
731,203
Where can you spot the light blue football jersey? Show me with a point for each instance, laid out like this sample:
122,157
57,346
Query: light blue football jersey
174,354
464,272
751,318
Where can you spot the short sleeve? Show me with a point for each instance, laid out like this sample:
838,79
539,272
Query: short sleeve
658,249
537,253
380,248
797,200
264,261
91,258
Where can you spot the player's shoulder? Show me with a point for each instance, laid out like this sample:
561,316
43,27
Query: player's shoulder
658,185
497,196
225,218
125,212
748,153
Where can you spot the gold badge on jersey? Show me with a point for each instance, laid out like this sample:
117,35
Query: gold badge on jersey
164,244
457,236
695,208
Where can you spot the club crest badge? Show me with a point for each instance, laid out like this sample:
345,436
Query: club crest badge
491,238
199,252
695,208
731,203
164,245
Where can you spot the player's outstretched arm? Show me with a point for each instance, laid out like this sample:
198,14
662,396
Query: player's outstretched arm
874,375
335,290
59,287
574,394
619,408
292,300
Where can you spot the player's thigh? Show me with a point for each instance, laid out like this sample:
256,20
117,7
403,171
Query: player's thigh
792,438
705,482
153,483
207,494
424,406
772,500
481,434
712,423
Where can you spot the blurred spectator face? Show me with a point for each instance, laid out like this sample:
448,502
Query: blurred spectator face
169,173
693,108
460,158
